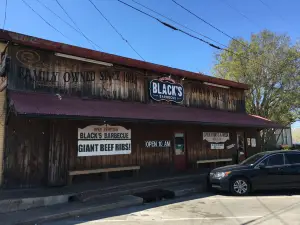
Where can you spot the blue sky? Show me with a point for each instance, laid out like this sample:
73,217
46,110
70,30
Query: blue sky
153,41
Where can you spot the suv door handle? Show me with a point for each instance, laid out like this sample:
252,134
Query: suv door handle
280,168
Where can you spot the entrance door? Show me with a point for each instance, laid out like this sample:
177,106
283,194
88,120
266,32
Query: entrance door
180,151
241,150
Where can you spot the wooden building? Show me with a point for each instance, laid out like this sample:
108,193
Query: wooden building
67,111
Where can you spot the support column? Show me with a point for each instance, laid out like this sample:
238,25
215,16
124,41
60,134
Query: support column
3,83
2,131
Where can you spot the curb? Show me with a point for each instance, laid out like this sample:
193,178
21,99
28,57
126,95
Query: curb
189,191
13,205
127,201
132,201
200,188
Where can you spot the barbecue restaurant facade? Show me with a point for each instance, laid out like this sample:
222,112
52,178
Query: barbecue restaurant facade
70,111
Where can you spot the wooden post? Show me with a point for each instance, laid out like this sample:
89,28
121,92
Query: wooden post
2,131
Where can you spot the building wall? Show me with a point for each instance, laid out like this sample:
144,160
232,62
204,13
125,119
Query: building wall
44,155
36,70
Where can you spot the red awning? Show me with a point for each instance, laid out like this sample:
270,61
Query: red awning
37,104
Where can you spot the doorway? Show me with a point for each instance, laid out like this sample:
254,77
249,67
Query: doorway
240,146
180,151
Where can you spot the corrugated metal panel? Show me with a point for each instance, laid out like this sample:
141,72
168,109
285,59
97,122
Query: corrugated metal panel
36,104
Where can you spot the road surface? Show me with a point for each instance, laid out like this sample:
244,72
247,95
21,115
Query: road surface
202,209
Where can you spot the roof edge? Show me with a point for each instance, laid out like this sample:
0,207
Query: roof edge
44,44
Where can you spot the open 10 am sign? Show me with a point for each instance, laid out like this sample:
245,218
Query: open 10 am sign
104,140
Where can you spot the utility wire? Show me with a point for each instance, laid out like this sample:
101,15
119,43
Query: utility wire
193,36
44,19
115,29
75,29
93,46
180,24
170,26
5,10
227,35
266,5
239,12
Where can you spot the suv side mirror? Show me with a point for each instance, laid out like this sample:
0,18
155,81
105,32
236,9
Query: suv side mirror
262,165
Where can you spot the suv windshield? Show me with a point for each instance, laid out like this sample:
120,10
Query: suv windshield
250,161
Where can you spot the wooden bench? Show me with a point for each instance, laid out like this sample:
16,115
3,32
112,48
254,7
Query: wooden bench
103,170
213,161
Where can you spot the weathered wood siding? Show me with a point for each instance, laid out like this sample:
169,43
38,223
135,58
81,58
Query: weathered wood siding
41,152
26,149
36,70
43,71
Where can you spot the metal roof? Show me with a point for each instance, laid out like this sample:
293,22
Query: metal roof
51,105
43,44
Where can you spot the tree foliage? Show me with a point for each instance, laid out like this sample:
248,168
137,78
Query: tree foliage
270,64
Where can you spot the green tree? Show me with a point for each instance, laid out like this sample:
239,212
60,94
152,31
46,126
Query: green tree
270,64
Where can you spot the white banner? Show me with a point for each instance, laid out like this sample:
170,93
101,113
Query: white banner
215,137
104,140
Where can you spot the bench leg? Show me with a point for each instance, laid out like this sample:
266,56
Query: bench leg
70,179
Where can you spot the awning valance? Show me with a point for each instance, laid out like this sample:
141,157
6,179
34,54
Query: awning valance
51,105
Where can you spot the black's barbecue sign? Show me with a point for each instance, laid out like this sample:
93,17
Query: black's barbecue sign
166,89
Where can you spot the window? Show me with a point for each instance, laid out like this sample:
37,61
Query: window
253,159
292,158
274,160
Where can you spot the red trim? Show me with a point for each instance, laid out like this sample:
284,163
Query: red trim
101,56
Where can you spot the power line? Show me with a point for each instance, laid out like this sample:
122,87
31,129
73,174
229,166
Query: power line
188,34
266,5
168,18
239,12
227,35
44,19
75,29
93,46
170,26
115,29
5,10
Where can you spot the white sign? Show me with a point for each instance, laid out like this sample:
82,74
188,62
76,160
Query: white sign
217,146
253,142
249,141
104,140
230,146
215,136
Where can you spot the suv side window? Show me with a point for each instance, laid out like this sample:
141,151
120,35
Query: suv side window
274,160
292,158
